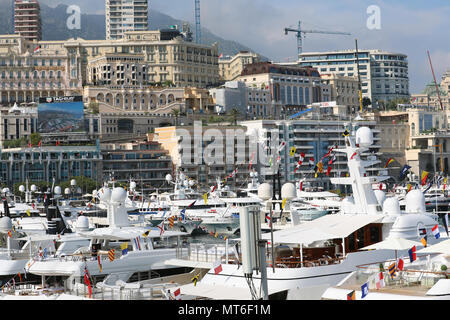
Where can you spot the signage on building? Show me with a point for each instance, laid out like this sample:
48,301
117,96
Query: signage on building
60,114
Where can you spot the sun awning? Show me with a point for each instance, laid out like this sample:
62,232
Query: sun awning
127,233
331,226
441,247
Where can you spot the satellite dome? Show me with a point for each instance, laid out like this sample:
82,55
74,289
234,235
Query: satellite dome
415,202
21,188
168,177
5,190
33,188
5,224
265,191
67,191
73,182
364,137
288,191
57,190
132,185
105,194
94,193
118,195
381,196
82,223
391,206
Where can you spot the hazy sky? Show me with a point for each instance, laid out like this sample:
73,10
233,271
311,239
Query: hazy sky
407,26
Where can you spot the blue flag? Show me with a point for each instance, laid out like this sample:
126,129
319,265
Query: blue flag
182,214
403,172
364,290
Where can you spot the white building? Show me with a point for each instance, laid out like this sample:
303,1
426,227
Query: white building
384,75
125,15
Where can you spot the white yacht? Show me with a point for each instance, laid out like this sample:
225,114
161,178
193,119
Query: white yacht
425,278
314,255
137,250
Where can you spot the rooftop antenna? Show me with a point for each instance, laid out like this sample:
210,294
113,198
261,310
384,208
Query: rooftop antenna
198,33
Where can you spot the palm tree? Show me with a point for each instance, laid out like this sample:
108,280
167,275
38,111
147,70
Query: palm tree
234,113
176,114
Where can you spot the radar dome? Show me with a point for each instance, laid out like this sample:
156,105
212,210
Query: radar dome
265,191
118,195
132,185
381,196
391,206
168,177
105,194
364,137
94,193
21,188
33,188
288,191
67,191
57,190
82,223
73,182
415,202
5,190
5,224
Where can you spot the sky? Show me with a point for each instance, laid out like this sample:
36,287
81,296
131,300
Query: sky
410,27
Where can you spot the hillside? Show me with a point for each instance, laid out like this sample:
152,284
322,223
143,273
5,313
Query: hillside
93,26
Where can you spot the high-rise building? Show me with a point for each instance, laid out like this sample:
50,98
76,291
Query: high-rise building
125,15
384,75
27,19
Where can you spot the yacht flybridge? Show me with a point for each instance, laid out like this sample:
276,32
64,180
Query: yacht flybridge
314,255
119,248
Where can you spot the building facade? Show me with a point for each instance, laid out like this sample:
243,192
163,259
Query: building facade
27,19
17,122
191,146
46,163
384,75
144,162
313,138
291,88
125,15
230,67
344,90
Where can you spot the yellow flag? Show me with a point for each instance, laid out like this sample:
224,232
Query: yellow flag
283,203
292,151
28,212
205,197
216,235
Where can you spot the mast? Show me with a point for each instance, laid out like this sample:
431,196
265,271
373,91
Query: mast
359,77
435,83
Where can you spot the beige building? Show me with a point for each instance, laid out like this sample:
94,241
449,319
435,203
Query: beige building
191,158
230,67
17,122
291,88
344,90
29,71
429,96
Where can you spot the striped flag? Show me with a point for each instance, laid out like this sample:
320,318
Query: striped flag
111,255
392,270
87,280
161,228
171,221
412,254
435,231
137,243
146,233
390,160
424,177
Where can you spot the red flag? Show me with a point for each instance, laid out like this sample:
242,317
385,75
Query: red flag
400,264
217,267
328,170
351,158
301,186
177,294
57,143
40,144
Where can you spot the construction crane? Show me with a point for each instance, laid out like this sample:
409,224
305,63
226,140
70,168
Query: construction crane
435,83
198,32
300,33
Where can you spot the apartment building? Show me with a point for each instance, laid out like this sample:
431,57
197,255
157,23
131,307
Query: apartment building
230,67
125,15
291,87
27,19
383,74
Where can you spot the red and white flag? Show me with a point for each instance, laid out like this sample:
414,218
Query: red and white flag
37,49
161,228
177,294
351,158
380,280
217,266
